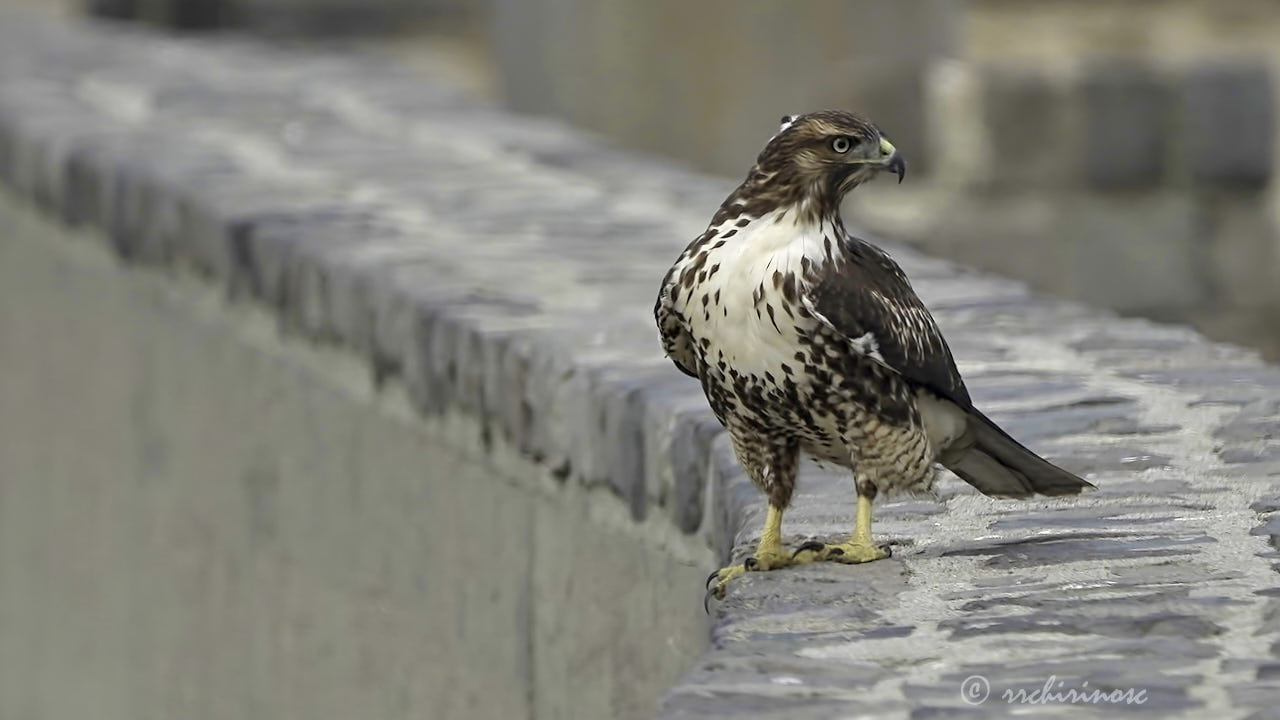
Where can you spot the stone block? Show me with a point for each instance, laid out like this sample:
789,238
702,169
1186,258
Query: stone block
351,273
468,352
612,452
263,257
692,439
1033,131
1227,124
141,196
510,386
1127,109
402,294
43,128
219,207
624,437
430,372
663,400
41,158
955,130
88,187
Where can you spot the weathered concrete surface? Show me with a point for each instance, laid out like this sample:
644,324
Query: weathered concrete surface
199,521
503,271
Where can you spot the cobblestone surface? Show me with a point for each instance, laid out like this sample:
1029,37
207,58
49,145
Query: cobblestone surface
506,267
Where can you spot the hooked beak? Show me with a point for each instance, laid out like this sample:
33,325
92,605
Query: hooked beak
892,159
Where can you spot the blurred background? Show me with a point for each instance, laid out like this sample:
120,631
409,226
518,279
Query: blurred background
1118,153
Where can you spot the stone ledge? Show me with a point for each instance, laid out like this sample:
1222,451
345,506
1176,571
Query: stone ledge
505,268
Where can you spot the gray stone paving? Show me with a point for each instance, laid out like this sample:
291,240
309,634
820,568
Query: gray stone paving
506,267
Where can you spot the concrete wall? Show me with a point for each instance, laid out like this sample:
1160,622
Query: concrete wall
198,520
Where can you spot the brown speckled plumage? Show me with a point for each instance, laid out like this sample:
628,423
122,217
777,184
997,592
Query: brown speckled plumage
807,338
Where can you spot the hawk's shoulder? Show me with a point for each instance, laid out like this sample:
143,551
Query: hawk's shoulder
866,298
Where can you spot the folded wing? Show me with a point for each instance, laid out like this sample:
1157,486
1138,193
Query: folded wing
867,299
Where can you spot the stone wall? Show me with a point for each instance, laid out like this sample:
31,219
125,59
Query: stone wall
1190,71
325,330
1140,185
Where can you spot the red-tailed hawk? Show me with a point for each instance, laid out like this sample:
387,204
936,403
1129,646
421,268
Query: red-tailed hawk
806,338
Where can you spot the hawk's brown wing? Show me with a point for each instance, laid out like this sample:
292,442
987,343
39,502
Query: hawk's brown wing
868,300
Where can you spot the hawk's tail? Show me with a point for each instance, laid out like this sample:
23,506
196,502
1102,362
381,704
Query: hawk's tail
1000,466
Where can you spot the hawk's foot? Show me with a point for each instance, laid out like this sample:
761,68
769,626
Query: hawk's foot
850,552
765,559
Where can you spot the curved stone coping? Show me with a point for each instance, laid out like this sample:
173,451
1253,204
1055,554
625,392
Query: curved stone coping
505,268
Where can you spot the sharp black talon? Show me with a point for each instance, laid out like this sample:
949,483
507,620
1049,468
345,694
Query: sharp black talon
706,601
888,551
835,551
813,545
714,574
750,563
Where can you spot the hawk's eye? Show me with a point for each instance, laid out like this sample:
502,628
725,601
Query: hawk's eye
841,144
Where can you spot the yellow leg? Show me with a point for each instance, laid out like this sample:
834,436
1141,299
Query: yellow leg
771,537
770,555
862,523
858,549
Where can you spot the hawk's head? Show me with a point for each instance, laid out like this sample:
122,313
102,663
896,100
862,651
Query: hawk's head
816,158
